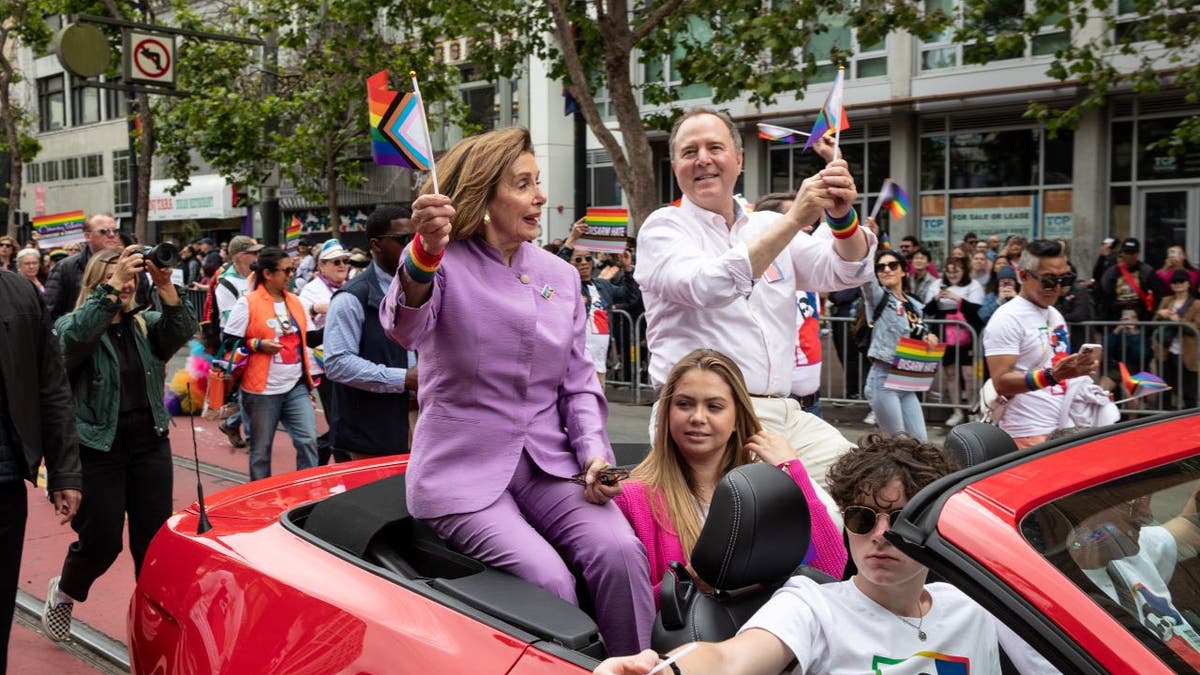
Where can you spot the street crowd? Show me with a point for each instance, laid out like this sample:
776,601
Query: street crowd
510,457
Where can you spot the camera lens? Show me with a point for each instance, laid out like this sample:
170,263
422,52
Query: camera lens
163,255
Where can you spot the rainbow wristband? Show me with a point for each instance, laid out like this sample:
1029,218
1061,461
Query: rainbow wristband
1039,379
420,265
844,227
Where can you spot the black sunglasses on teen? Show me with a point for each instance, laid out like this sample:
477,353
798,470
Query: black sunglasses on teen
862,519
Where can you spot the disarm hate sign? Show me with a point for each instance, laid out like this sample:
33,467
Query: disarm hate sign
150,58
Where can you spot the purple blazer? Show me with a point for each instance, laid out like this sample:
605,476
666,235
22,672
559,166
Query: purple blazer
504,367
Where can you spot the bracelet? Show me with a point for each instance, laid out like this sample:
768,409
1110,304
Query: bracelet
421,266
255,343
844,227
671,664
1040,379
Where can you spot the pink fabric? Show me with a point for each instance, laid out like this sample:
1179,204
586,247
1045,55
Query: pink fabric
663,547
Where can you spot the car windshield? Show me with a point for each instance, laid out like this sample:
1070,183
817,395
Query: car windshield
1132,545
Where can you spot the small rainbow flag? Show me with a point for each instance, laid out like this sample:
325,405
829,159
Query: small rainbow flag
774,132
1142,384
59,230
914,365
608,230
894,198
832,117
291,236
399,136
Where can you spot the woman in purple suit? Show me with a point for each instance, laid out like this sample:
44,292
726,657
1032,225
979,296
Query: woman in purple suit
510,405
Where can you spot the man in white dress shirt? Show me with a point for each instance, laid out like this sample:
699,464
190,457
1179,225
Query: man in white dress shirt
715,276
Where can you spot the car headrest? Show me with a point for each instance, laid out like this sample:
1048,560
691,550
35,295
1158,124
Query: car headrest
977,442
757,529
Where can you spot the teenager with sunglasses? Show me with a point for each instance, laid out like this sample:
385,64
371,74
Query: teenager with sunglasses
270,322
1028,348
895,314
884,614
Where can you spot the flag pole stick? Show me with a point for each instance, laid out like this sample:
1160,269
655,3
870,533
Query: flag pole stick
880,198
412,74
837,134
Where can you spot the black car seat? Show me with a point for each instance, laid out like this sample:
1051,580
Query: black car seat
977,442
754,539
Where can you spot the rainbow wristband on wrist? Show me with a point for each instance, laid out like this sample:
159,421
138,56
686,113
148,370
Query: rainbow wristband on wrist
1039,379
844,227
420,265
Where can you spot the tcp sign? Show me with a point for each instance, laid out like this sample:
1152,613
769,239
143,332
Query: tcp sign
150,58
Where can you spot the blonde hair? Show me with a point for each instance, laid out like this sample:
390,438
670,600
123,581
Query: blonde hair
93,276
470,172
666,471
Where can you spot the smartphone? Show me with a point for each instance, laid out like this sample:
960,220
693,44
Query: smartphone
1089,349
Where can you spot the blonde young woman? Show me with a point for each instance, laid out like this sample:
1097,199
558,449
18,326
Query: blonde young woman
706,427
115,358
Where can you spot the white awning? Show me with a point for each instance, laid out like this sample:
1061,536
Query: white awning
208,196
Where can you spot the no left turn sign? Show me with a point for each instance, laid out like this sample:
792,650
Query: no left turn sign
150,58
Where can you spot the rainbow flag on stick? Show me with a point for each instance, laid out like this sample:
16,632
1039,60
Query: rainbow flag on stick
832,117
773,132
1142,384
608,230
291,236
894,198
399,132
59,230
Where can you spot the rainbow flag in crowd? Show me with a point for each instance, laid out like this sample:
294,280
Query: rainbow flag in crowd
59,230
608,230
914,365
832,117
291,236
399,136
1142,384
774,132
894,198
885,242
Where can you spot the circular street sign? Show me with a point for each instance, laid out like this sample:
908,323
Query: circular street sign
151,58
82,49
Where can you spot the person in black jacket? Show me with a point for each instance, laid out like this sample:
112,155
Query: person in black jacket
62,288
37,421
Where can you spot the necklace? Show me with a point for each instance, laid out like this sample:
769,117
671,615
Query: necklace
921,621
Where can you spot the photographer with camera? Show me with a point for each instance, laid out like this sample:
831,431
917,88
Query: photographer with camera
115,355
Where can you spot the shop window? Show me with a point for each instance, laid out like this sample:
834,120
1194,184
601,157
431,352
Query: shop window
51,103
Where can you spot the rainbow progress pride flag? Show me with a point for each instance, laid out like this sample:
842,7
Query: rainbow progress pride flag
608,230
774,132
832,117
59,230
914,365
398,132
894,198
1142,384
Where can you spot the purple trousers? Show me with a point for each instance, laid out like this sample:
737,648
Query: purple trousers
538,517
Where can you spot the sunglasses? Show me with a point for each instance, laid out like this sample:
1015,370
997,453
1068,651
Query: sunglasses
401,239
1050,282
862,519
286,270
337,262
581,258
880,268
5,244
106,232
608,476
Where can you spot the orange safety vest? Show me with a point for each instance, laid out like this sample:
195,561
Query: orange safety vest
262,309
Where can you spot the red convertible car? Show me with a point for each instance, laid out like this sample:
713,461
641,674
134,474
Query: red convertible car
1086,546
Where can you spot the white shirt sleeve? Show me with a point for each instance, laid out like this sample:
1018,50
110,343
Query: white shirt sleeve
239,318
673,265
796,622
817,265
1003,335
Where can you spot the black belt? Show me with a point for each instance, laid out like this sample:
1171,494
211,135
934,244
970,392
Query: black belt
807,401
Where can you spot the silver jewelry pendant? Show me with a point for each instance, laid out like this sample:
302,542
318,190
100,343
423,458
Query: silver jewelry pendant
921,635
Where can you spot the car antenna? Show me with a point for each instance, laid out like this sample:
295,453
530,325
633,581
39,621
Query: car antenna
204,525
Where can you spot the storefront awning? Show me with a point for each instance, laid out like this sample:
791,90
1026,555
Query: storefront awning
208,196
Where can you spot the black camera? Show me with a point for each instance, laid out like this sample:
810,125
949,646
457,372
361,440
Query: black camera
163,255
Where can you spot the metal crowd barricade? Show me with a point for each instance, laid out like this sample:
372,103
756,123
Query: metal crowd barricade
1143,346
844,368
197,296
621,333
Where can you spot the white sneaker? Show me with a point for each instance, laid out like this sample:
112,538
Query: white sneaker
870,418
56,616
955,419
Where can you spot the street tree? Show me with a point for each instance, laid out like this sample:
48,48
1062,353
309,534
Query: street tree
24,27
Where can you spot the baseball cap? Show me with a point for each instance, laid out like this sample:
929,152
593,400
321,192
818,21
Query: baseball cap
332,249
207,240
1131,245
1006,272
243,244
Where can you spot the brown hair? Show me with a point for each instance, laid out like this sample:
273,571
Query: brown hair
470,172
696,112
665,470
879,459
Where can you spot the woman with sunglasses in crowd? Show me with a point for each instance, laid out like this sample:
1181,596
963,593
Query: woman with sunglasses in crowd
895,314
269,321
705,429
8,253
333,268
115,357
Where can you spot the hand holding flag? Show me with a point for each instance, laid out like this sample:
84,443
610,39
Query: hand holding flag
832,117
399,132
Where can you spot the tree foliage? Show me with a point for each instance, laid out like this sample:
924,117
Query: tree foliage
23,27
